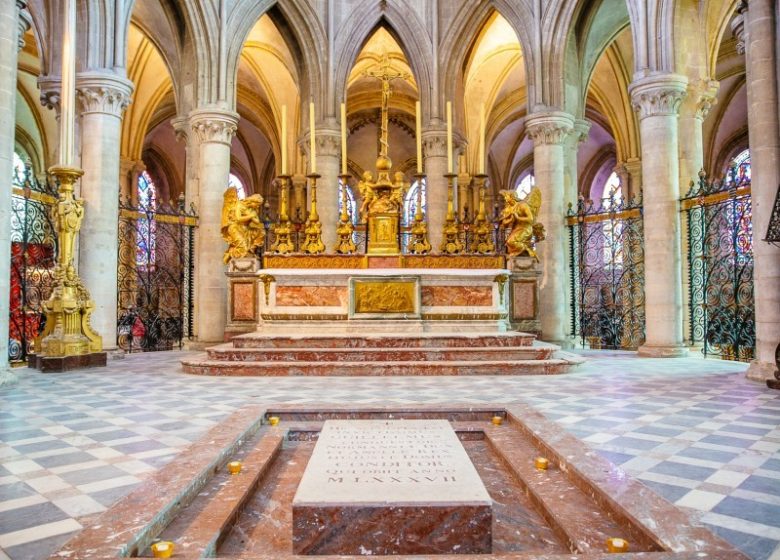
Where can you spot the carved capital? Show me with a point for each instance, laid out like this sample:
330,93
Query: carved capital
549,128
658,95
705,95
434,143
581,130
103,93
49,87
738,27
24,22
328,142
182,129
213,125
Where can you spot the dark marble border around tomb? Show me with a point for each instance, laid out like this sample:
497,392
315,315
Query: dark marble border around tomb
129,527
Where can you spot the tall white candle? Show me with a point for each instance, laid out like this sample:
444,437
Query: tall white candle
68,85
449,137
418,134
343,138
284,139
481,162
312,150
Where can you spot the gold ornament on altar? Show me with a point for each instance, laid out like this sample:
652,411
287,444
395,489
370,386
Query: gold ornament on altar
242,227
520,215
312,230
345,230
482,240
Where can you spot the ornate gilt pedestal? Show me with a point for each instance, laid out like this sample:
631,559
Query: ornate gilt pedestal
383,233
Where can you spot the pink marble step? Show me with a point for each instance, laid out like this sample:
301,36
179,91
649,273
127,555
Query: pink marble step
416,340
201,365
226,352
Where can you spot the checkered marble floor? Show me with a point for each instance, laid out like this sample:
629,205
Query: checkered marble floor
696,431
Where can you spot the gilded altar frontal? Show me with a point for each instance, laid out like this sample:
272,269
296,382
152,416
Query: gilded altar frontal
341,278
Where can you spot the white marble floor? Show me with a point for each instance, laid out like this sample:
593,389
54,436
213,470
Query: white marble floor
695,431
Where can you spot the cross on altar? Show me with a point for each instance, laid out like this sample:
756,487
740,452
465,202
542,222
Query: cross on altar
385,74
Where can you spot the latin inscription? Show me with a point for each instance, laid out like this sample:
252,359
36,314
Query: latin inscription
387,461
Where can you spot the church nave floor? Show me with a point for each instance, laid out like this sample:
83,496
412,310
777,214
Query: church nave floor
695,431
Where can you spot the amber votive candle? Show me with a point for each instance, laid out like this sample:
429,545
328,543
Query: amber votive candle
162,549
617,545
234,467
541,463
496,420
273,420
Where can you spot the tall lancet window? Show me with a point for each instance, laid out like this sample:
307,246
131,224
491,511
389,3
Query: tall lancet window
410,203
525,185
234,181
146,235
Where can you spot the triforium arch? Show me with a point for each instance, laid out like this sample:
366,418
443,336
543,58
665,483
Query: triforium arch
408,31
303,34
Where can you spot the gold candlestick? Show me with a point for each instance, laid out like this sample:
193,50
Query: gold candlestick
451,244
419,244
482,241
312,243
345,229
283,229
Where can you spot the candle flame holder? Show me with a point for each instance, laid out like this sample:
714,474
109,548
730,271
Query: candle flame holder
234,467
615,544
541,463
162,549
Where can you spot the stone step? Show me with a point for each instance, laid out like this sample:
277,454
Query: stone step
413,340
202,365
226,352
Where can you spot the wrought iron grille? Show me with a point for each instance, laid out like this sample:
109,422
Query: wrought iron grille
720,266
155,275
33,258
606,242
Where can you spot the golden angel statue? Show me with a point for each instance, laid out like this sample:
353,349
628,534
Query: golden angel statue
242,227
520,215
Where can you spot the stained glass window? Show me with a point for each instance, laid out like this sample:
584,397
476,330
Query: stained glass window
350,202
146,237
525,185
741,168
410,203
19,170
234,181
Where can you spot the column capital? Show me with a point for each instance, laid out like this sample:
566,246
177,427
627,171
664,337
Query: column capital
705,94
103,92
658,94
24,22
738,27
49,87
434,143
549,128
581,130
210,125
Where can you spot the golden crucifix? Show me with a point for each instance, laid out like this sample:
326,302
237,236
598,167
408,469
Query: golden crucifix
386,75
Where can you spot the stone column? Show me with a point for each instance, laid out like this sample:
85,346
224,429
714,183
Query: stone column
435,168
213,129
760,33
549,132
328,165
657,98
699,100
12,29
102,99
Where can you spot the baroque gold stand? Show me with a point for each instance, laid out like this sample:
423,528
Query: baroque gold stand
345,229
482,241
283,230
451,244
419,244
312,243
68,341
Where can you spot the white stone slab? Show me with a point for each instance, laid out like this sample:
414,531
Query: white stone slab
389,462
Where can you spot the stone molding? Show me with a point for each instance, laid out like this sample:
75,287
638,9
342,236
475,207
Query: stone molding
49,87
24,22
581,130
104,93
738,27
181,128
707,96
658,95
551,128
213,125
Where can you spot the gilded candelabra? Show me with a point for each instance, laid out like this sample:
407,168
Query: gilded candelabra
419,244
68,330
312,242
345,230
283,229
451,243
482,240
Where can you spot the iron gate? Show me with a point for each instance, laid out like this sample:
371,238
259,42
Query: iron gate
720,265
33,258
155,274
606,242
